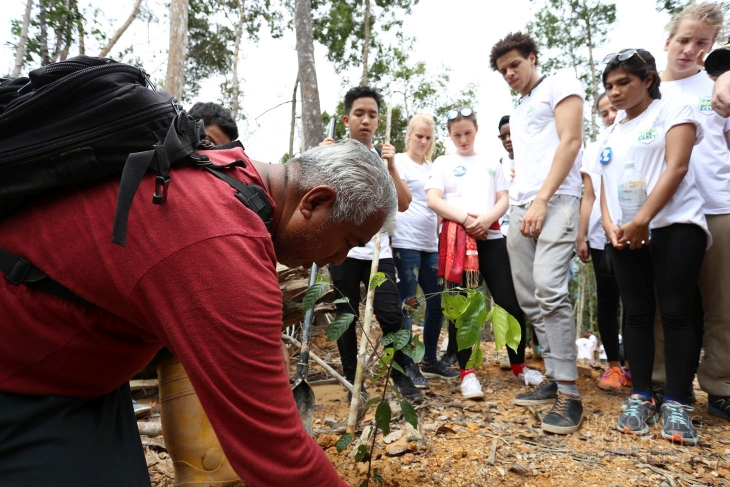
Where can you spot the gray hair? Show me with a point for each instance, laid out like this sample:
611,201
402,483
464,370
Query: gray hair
360,178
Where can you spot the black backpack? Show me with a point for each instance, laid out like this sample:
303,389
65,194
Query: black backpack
86,119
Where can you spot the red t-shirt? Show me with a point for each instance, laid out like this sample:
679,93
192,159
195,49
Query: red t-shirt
198,275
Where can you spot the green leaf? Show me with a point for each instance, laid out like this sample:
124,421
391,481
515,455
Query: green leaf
476,357
506,329
341,301
314,292
377,279
398,368
338,326
387,339
409,413
417,351
401,339
469,323
322,278
453,305
372,401
382,417
362,453
365,482
377,477
343,442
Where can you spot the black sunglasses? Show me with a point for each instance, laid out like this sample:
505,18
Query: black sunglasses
464,112
623,55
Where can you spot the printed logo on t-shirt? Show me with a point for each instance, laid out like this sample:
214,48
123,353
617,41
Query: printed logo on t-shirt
706,105
606,155
459,171
490,171
530,110
648,136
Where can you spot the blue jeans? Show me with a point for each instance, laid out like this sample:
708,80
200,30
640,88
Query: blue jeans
421,268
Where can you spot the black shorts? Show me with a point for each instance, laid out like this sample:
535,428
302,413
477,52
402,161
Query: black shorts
66,441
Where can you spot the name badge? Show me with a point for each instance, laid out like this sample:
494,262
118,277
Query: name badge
459,171
606,155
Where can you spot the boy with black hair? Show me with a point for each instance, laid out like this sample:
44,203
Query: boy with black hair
362,105
546,133
220,128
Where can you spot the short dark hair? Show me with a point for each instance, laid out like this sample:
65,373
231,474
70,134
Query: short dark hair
523,43
214,114
360,92
641,64
503,121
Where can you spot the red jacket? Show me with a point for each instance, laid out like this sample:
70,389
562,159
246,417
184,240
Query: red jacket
198,275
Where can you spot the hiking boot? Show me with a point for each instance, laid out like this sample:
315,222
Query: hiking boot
406,388
449,359
529,377
544,395
141,410
637,417
565,416
678,427
438,370
719,406
471,388
414,373
612,381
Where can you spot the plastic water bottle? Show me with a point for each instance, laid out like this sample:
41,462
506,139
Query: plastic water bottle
631,192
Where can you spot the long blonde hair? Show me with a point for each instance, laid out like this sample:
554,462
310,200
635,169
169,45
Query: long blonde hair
428,120
708,12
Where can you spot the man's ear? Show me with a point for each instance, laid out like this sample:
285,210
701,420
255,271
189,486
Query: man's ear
346,120
317,198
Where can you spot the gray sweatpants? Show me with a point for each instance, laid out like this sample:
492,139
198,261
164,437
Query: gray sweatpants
540,271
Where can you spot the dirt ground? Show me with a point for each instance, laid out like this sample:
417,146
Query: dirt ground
495,443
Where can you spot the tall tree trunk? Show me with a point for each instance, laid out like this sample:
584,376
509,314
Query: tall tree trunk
594,84
311,114
293,117
61,32
178,43
235,87
366,45
79,28
22,40
135,12
45,58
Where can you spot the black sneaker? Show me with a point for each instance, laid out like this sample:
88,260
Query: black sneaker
546,394
565,416
658,392
637,417
678,427
449,359
718,405
414,374
406,388
438,370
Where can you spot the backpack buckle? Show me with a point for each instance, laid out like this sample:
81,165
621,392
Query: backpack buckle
161,185
19,272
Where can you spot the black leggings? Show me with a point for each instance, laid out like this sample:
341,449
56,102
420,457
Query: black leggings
671,264
607,297
497,273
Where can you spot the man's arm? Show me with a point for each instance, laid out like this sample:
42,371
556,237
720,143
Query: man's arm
221,317
569,123
586,207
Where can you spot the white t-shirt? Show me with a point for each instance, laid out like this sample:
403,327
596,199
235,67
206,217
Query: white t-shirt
366,252
535,139
586,349
643,140
416,228
710,157
469,183
507,164
596,235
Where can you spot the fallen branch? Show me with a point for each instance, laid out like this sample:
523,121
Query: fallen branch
332,372
137,385
149,428
666,475
492,453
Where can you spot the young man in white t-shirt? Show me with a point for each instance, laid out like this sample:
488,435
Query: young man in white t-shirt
508,162
546,132
362,105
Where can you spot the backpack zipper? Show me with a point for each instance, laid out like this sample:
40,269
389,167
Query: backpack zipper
68,141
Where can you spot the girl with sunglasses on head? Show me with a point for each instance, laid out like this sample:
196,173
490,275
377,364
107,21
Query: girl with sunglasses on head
661,248
469,192
692,32
415,247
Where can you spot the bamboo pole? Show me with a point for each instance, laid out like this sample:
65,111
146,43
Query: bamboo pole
365,335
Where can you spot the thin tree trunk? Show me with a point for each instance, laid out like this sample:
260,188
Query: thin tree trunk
311,112
235,89
80,28
366,45
61,33
594,84
293,116
175,76
45,58
135,12
22,40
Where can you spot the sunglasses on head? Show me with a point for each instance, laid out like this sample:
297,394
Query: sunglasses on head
464,112
622,56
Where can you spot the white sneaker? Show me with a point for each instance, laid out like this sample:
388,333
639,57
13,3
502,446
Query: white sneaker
471,388
529,377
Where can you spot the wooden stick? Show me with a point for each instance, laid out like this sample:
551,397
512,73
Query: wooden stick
321,362
149,428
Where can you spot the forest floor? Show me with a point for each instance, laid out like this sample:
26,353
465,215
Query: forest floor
495,443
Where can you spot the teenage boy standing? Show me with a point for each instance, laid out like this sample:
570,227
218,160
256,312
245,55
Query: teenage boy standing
546,132
362,105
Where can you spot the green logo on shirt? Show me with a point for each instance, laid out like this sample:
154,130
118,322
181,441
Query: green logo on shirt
491,172
706,106
530,110
647,136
